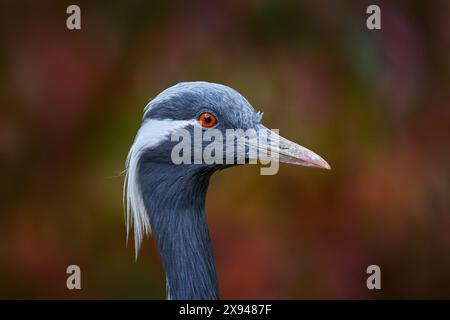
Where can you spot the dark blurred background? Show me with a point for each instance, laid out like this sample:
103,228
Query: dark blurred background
374,104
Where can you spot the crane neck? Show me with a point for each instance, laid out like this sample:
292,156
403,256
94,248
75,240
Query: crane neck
174,197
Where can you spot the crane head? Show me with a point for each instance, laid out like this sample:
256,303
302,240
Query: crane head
193,129
207,114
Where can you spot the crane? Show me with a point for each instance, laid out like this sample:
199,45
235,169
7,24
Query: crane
168,199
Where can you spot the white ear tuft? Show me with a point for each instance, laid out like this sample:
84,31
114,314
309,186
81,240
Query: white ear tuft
152,133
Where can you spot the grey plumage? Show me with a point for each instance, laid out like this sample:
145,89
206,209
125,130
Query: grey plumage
170,198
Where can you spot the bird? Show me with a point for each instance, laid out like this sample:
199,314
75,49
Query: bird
167,200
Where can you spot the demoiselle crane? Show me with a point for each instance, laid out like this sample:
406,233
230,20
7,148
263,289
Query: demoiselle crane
167,199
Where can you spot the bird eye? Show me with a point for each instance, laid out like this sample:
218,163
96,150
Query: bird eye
207,119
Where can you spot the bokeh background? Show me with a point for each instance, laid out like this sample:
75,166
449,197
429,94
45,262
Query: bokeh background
374,104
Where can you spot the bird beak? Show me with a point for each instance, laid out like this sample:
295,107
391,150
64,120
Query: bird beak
275,146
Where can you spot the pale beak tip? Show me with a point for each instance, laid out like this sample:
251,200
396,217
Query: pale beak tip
322,164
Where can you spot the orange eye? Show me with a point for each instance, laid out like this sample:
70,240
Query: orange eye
207,120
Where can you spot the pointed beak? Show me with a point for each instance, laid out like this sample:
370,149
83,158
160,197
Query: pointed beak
289,152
